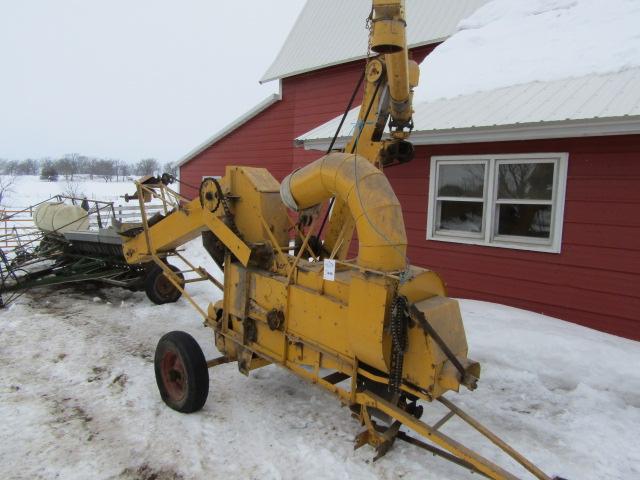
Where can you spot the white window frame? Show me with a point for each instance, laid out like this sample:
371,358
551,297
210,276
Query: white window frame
488,235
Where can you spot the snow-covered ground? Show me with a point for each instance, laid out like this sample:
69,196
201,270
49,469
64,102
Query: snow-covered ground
29,190
78,399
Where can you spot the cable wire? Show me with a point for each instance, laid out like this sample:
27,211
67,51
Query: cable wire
355,143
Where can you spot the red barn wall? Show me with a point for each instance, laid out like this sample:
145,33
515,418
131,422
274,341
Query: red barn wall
308,100
594,281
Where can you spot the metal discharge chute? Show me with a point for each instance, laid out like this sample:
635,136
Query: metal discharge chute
377,332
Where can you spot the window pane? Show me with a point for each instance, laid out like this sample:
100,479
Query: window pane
532,181
524,220
461,180
460,216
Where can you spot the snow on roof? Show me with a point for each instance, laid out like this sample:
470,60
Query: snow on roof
511,42
330,32
524,64
605,104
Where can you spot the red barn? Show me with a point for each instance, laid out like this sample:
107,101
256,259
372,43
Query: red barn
317,68
525,195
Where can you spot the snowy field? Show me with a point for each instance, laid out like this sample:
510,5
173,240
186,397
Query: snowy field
78,399
29,190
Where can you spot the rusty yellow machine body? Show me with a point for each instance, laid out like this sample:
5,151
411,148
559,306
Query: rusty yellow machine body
380,334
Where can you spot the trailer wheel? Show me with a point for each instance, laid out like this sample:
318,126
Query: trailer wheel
181,372
159,288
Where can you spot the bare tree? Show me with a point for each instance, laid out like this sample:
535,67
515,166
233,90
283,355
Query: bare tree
28,166
6,186
83,164
68,165
121,169
93,166
147,166
125,170
171,168
105,168
49,171
11,167
72,189
116,168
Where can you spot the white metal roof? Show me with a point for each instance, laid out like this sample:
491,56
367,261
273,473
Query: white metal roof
591,105
330,32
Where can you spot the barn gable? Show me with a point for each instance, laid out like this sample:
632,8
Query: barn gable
327,36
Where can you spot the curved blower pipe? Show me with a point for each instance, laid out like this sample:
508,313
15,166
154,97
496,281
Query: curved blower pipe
370,198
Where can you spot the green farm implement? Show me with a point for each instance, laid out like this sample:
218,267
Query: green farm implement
86,249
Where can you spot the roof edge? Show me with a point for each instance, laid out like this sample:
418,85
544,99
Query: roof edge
238,122
266,79
597,127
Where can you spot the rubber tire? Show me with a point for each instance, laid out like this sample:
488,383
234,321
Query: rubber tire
150,285
195,368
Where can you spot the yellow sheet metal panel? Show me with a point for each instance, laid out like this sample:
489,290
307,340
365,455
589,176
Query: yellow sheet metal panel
268,291
368,299
260,178
179,227
174,230
319,319
339,287
422,284
254,195
418,366
444,316
310,275
274,341
236,285
425,364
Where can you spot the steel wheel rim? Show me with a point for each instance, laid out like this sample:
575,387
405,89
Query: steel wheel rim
174,376
164,287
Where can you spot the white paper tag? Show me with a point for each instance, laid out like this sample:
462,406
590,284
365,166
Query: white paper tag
329,270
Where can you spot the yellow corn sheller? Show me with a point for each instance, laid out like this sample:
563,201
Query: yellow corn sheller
377,332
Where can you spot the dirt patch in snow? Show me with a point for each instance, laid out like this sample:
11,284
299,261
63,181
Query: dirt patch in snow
146,472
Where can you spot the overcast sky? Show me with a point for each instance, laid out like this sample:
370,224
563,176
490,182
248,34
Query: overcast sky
131,78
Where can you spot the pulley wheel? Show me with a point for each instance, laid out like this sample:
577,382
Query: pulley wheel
209,197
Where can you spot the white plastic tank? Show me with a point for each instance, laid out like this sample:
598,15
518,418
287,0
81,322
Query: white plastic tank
60,217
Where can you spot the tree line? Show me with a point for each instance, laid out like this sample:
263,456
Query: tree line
74,164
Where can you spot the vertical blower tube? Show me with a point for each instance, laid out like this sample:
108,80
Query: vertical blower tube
388,37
